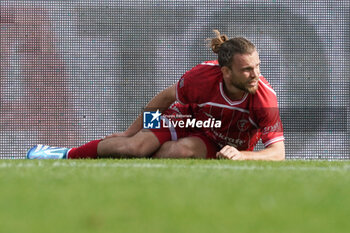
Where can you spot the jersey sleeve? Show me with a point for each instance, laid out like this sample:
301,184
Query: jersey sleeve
268,118
271,127
194,86
182,90
186,91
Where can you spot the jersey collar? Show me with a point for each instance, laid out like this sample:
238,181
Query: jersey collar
228,100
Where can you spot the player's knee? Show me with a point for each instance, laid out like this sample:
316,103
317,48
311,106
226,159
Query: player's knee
141,147
128,147
187,153
183,150
137,148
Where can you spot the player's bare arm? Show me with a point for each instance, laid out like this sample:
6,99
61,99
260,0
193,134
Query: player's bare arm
161,101
274,152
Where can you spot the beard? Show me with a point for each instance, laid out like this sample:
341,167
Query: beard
245,87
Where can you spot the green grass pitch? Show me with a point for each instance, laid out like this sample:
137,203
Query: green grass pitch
174,196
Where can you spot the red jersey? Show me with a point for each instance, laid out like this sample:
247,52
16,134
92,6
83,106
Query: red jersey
244,121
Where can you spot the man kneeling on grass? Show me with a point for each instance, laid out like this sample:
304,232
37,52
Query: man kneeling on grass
230,104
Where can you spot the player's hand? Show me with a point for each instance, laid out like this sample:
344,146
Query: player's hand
118,134
229,152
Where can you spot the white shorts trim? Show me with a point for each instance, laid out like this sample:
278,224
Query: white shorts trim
171,128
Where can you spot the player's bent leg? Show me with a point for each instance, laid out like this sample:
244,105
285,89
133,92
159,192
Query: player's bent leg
188,147
142,144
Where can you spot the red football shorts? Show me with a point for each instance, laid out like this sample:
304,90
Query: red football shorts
174,133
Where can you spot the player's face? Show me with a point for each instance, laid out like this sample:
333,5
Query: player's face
244,73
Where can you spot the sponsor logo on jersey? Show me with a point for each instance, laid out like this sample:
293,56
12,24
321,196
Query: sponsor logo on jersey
243,125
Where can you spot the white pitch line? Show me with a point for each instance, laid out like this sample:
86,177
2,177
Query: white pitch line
78,164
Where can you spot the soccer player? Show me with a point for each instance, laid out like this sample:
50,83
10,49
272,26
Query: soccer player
230,90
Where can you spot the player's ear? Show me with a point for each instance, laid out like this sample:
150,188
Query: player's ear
226,72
